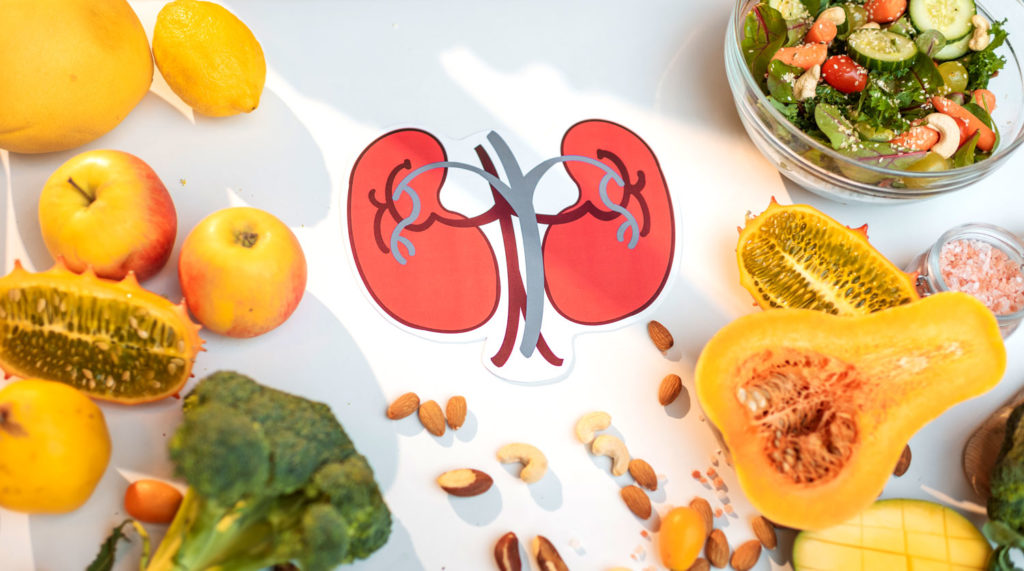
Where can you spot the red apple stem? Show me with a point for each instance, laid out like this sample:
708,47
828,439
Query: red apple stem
71,181
247,239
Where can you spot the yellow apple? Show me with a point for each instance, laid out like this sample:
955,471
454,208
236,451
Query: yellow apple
109,210
242,272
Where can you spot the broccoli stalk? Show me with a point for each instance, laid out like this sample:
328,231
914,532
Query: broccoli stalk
273,478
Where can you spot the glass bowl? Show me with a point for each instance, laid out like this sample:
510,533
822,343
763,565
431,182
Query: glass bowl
821,170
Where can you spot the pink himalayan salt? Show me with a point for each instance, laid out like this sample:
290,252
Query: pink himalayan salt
984,271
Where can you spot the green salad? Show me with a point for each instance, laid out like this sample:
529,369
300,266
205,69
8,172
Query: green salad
896,83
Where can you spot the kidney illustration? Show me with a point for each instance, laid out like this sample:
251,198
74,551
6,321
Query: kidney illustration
598,261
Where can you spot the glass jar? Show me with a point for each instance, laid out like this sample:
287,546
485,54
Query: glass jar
972,243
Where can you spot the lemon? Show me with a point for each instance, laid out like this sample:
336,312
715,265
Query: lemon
209,58
72,70
54,447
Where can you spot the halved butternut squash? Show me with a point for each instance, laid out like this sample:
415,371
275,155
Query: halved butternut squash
816,408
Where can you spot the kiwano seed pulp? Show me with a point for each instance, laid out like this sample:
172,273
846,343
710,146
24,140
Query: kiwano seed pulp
113,340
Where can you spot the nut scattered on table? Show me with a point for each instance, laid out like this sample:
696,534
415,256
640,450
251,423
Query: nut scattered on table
403,406
660,336
432,417
465,482
764,531
506,553
701,506
546,555
904,462
637,501
669,390
700,564
746,555
456,410
643,474
535,464
590,423
716,549
611,446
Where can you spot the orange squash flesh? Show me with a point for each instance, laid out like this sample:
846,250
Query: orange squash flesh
842,393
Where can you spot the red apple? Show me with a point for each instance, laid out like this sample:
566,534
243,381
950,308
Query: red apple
109,210
242,272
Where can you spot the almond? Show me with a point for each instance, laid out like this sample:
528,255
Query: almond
700,564
432,418
455,410
637,501
904,462
746,555
716,549
764,531
643,474
701,506
660,335
546,555
465,482
506,553
403,406
670,388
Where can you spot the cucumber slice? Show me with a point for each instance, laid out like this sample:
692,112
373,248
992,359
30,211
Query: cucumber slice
880,50
951,17
953,49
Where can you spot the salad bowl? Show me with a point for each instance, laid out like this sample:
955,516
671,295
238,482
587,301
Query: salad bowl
816,166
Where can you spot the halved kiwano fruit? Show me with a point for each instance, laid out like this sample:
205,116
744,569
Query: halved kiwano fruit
894,535
796,256
113,340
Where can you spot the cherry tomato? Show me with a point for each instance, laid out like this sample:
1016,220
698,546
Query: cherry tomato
844,74
681,538
152,501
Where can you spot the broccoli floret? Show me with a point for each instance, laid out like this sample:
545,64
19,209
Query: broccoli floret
272,478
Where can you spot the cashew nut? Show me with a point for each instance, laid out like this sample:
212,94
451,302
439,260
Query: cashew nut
870,26
835,14
807,83
949,134
610,446
591,423
535,464
980,39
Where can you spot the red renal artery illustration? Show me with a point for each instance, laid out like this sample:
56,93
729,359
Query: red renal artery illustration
598,261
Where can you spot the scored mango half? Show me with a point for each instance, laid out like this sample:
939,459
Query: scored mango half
895,535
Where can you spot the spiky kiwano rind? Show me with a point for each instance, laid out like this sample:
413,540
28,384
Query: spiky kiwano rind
113,340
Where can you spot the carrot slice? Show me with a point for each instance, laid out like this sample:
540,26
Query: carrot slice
822,32
917,138
803,56
986,137
985,99
885,11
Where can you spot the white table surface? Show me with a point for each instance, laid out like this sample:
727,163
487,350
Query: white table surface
342,73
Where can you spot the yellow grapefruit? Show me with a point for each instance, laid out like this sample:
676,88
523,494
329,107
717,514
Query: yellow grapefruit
72,70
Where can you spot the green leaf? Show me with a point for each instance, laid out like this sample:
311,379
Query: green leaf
924,76
884,155
796,30
837,128
982,65
965,154
764,32
780,80
104,560
1001,534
